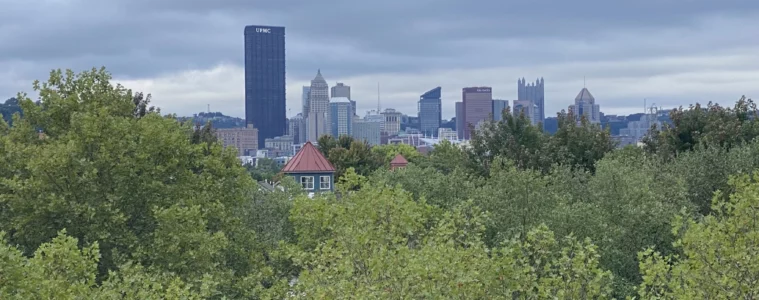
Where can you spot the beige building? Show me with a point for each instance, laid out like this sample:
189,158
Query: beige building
244,139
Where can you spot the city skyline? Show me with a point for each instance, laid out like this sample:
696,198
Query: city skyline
189,55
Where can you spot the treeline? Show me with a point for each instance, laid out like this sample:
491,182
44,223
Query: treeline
114,201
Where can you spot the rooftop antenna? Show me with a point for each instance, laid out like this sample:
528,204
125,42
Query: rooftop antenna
583,81
209,108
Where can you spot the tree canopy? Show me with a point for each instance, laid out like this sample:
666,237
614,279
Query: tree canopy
102,197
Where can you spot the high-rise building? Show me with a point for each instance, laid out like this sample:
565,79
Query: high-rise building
585,105
342,90
340,116
245,140
430,111
460,119
392,121
367,130
529,109
478,105
304,99
297,129
318,108
265,80
535,92
498,107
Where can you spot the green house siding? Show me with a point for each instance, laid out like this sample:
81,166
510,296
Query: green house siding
313,182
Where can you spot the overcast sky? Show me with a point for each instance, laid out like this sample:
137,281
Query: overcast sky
189,53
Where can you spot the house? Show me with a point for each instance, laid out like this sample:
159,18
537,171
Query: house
311,169
398,162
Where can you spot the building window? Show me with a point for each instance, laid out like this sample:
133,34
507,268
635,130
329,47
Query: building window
324,182
307,182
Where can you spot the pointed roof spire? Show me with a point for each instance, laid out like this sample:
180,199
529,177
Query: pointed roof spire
308,160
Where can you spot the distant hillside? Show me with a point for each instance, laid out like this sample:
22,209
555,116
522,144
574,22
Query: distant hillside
9,108
218,120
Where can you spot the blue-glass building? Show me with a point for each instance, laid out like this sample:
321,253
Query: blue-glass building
430,111
265,80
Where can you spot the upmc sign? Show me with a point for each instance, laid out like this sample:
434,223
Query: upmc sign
483,90
263,30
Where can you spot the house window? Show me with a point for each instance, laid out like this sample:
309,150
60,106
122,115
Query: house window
307,182
324,182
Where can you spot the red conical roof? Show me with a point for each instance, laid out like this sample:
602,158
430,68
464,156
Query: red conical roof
399,160
308,160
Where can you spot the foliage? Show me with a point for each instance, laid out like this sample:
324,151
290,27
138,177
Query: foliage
265,169
141,188
379,243
388,152
712,125
719,259
346,152
513,138
61,270
8,109
102,197
578,145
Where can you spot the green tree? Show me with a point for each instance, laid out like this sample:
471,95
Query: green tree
377,243
579,145
139,187
388,152
346,152
445,157
265,169
712,125
513,138
719,259
61,270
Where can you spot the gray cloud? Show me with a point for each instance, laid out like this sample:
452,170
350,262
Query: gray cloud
624,44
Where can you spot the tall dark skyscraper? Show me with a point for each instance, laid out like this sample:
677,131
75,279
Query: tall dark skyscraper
265,80
430,112
535,92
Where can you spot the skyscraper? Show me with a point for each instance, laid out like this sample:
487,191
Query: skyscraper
478,105
460,119
340,116
304,99
528,108
430,112
535,92
585,105
265,80
342,90
318,108
498,107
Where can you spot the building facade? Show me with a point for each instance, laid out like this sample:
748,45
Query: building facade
535,92
340,116
342,90
478,105
311,169
368,131
265,80
447,134
585,105
297,129
460,119
245,140
529,109
430,111
498,108
304,99
392,121
280,143
318,108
